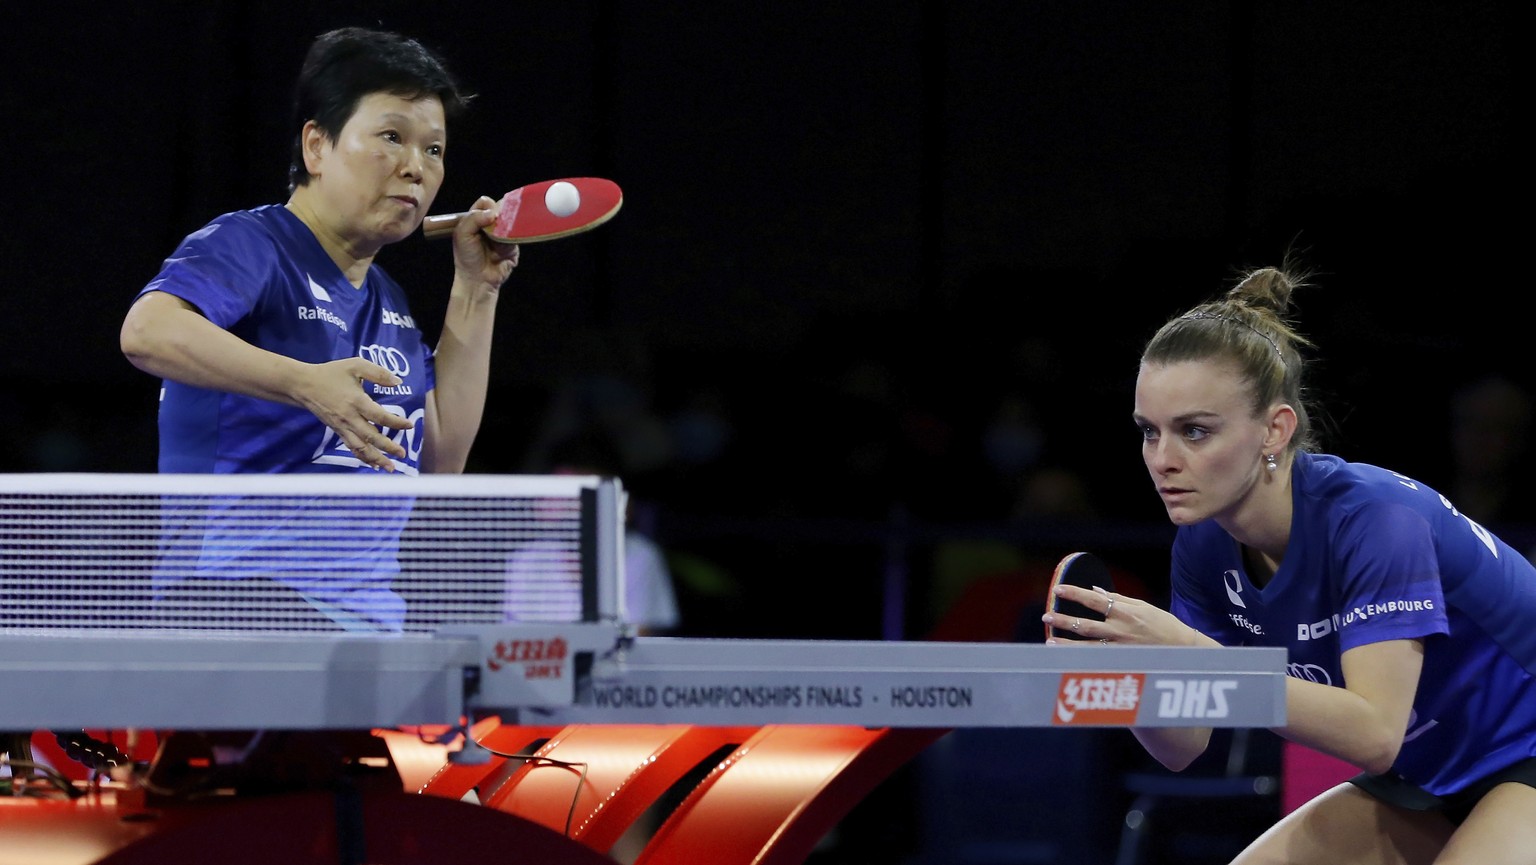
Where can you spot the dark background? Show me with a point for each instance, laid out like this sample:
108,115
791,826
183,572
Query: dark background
853,233
855,236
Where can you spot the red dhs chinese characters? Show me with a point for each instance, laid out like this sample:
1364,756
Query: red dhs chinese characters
1098,698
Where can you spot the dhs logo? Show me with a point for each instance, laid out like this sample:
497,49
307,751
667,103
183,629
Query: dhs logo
1197,698
539,658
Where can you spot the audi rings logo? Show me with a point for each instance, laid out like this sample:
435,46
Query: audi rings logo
1309,673
387,356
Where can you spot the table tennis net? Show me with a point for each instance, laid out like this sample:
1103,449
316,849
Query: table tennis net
303,553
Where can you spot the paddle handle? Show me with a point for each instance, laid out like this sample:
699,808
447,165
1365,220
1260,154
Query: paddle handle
440,225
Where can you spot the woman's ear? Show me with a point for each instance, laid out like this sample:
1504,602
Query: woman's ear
1282,426
315,145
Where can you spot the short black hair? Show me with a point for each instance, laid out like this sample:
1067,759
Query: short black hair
349,63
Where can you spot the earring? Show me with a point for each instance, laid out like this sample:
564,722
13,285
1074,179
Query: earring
1269,462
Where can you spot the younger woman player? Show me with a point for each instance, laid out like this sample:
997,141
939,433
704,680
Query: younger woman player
1413,622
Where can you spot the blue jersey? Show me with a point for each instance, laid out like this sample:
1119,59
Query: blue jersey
1377,556
262,275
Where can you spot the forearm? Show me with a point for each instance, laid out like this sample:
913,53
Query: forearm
1335,721
463,363
167,339
1177,747
1340,723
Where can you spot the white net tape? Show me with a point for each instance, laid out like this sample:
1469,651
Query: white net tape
292,553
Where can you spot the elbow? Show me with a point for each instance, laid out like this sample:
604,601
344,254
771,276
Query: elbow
134,345
1176,762
1374,753
151,337
1376,767
1381,756
1175,748
136,340
1173,754
1378,750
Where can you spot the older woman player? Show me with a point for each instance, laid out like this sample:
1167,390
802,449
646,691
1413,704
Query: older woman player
284,347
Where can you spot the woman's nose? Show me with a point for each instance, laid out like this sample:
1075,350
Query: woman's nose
1159,456
411,163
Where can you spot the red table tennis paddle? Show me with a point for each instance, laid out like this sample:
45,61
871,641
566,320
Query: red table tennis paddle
546,210
1077,569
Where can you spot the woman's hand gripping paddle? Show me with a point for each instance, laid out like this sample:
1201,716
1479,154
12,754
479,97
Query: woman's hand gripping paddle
1084,570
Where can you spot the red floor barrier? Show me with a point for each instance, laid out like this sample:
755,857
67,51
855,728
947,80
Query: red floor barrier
774,798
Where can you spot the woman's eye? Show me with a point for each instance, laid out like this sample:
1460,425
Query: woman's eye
1195,433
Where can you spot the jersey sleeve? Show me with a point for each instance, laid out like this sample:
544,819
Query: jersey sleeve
1390,579
221,269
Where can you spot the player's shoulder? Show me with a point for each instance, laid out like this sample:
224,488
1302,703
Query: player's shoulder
1341,499
1330,478
273,221
259,225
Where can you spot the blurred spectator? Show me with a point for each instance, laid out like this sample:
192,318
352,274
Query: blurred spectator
1490,434
537,591
701,427
609,390
1054,492
1491,471
993,589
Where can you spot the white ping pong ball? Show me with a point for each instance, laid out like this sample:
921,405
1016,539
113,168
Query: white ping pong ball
562,199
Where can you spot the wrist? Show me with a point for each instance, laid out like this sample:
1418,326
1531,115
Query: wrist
473,290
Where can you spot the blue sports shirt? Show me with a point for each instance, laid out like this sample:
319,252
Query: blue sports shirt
262,275
1375,556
